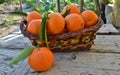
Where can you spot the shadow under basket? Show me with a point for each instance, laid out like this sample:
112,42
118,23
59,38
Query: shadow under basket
66,42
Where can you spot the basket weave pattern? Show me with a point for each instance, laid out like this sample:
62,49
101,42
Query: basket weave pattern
66,42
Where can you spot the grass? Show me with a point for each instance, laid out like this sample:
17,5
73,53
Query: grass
7,21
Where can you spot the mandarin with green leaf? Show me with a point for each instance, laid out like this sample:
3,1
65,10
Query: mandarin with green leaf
72,8
41,59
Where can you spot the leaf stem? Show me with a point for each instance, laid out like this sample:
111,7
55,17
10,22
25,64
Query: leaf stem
43,32
46,40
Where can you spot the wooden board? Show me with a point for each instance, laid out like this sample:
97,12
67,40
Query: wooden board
107,44
85,62
102,59
108,29
14,41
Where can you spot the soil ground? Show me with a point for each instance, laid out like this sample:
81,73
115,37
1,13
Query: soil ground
8,22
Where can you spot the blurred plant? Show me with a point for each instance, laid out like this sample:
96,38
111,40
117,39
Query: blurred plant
111,1
89,4
40,6
2,1
9,2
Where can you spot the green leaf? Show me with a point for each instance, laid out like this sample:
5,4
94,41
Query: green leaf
2,1
46,6
42,29
24,54
18,13
43,26
43,33
68,2
66,13
46,39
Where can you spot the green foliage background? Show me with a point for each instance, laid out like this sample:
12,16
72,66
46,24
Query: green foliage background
9,2
110,1
88,4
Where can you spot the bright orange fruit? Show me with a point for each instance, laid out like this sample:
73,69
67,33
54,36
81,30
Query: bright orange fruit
74,22
34,26
41,59
55,23
32,16
73,9
89,17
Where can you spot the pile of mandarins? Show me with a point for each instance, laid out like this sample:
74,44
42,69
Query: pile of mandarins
42,58
56,23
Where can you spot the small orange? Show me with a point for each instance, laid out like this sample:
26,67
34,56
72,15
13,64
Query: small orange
41,59
74,22
73,9
55,23
34,26
89,17
32,16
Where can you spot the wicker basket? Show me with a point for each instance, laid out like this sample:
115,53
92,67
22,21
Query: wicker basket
66,42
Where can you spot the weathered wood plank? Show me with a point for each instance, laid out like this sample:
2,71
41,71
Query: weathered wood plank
9,52
80,71
14,41
86,63
24,69
103,58
107,43
6,56
108,29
